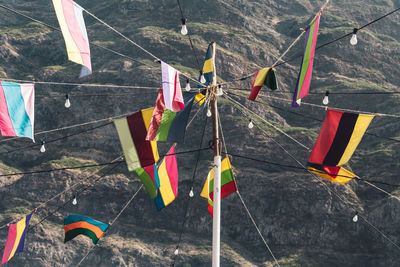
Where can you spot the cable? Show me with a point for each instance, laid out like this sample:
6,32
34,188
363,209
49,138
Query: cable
330,93
111,224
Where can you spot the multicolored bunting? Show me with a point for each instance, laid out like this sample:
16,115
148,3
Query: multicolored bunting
72,24
168,177
340,135
16,238
171,88
75,225
265,76
335,174
167,125
132,131
17,116
228,185
149,177
304,79
208,66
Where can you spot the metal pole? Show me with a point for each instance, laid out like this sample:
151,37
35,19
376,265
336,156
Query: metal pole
217,170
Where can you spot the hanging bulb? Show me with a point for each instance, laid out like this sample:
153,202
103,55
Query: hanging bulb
355,218
209,114
74,201
187,88
251,125
42,148
184,30
176,252
220,92
353,40
67,102
325,101
202,78
191,194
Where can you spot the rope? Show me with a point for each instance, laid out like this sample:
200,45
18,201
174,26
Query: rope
115,219
378,188
330,93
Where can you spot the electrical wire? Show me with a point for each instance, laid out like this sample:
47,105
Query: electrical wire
330,93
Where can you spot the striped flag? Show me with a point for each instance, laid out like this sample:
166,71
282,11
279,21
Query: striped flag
75,225
304,79
168,177
72,24
132,131
17,115
208,66
265,76
228,185
167,125
340,135
149,177
16,238
171,88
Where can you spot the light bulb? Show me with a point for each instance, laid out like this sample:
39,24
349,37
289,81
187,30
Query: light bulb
43,148
251,125
176,252
220,92
355,218
353,40
191,194
202,78
67,102
187,88
325,101
209,114
74,201
184,30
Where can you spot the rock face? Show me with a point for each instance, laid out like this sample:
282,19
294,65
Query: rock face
305,221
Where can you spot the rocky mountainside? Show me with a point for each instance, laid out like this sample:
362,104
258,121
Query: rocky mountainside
303,222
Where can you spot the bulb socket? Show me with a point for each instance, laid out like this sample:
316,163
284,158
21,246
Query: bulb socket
183,21
66,96
327,93
355,30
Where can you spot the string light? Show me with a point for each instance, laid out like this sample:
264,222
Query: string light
67,102
43,148
191,193
353,40
187,88
251,125
184,30
355,218
202,78
209,114
74,201
325,101
176,252
220,92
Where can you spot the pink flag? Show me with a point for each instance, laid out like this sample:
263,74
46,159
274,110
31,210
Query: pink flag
171,88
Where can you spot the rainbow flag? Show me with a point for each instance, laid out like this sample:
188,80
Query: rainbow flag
228,185
132,131
75,225
168,177
149,177
16,238
265,76
17,116
208,66
72,24
171,85
304,79
167,125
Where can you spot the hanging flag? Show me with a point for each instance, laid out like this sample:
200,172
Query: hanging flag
208,66
16,238
228,184
304,79
149,177
168,177
72,24
200,98
335,174
167,125
265,76
171,88
340,135
132,131
17,114
75,225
